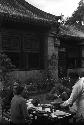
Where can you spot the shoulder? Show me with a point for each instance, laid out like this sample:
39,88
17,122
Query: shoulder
79,83
13,98
82,78
22,99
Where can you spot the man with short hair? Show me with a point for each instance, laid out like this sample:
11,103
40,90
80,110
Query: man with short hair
19,113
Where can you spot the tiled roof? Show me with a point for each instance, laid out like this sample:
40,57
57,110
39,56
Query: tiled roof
20,9
70,30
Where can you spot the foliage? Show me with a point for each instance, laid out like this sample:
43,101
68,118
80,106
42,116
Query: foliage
42,85
5,63
62,88
5,67
77,17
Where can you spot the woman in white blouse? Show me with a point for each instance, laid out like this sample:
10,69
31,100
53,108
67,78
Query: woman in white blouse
77,96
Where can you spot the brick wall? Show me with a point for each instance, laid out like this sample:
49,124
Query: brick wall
53,55
25,75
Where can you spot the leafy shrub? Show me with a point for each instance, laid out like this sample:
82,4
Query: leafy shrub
6,66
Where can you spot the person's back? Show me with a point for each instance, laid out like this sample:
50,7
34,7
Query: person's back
16,109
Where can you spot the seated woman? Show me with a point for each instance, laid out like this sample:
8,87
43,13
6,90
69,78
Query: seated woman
19,113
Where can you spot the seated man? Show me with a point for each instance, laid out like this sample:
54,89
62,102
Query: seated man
19,113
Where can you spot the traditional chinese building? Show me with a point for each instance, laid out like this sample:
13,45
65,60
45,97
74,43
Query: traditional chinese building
29,37
71,50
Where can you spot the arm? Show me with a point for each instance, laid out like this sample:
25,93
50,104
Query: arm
25,111
76,91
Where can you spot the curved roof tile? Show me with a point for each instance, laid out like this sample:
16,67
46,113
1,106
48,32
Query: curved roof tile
20,9
70,30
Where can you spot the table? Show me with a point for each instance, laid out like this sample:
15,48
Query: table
44,114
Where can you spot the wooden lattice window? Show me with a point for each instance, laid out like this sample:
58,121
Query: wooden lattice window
31,42
10,41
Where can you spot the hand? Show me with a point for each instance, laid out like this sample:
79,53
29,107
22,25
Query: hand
62,105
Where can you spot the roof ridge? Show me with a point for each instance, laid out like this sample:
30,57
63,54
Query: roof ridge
21,8
38,12
7,6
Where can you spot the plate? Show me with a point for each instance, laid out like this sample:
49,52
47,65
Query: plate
61,113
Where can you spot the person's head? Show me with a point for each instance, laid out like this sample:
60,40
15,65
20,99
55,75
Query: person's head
18,88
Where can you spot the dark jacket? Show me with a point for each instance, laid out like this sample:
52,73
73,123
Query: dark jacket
19,111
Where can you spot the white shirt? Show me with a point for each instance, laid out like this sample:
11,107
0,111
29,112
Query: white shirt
77,96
